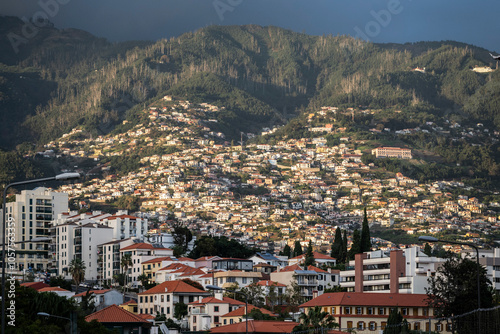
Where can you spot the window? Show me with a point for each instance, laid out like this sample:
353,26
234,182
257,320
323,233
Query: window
383,324
194,319
425,311
449,327
216,319
168,298
370,310
416,326
415,311
216,308
168,310
404,311
438,327
361,325
333,310
359,310
150,299
347,310
349,324
381,310
162,298
372,326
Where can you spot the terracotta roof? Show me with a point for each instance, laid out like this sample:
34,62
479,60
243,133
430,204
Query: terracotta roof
316,269
115,314
291,268
95,292
317,256
257,326
158,259
173,286
52,289
146,316
187,259
368,299
241,311
142,245
131,301
206,258
35,285
269,283
121,216
213,300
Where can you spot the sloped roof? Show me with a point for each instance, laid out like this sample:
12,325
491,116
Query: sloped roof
257,326
269,283
141,245
115,314
241,311
291,268
35,285
52,289
368,299
173,286
95,292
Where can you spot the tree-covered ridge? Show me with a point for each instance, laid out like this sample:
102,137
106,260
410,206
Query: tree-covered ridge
92,82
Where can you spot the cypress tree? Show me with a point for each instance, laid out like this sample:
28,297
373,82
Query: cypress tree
297,250
356,245
287,251
366,244
337,245
344,248
427,249
309,258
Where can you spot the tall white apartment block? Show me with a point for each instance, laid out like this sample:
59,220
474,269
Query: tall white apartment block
76,241
33,212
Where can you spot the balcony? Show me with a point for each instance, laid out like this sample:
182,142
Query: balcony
307,282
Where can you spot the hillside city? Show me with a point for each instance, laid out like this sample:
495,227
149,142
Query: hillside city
293,194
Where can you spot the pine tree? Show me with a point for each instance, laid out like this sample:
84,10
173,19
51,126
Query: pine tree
356,245
394,322
366,244
309,258
337,245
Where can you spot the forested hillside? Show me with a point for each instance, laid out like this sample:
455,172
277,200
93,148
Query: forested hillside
264,76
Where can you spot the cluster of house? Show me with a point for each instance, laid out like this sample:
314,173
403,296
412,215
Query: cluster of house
311,180
376,282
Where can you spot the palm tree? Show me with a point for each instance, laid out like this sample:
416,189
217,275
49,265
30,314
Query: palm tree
77,270
316,318
126,262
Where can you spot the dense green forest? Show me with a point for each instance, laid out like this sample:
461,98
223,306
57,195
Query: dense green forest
263,76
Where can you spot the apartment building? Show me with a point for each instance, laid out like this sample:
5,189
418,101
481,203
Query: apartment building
207,313
227,279
392,152
32,213
109,259
398,271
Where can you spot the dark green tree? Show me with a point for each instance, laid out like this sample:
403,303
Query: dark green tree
344,248
395,323
366,244
337,245
297,250
455,282
315,318
427,249
287,251
77,270
356,245
309,256
180,311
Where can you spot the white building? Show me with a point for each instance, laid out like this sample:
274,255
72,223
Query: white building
397,271
81,241
31,215
126,226
490,259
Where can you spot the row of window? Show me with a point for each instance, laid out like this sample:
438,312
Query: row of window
379,310
372,325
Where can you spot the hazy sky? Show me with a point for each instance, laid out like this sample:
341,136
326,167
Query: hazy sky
400,21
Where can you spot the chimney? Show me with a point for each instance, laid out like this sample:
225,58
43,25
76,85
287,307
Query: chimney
398,269
358,271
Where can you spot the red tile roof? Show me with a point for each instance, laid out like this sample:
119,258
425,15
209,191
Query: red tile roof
95,292
52,289
115,314
173,286
291,268
316,269
158,259
269,283
257,326
35,285
241,311
368,299
141,245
